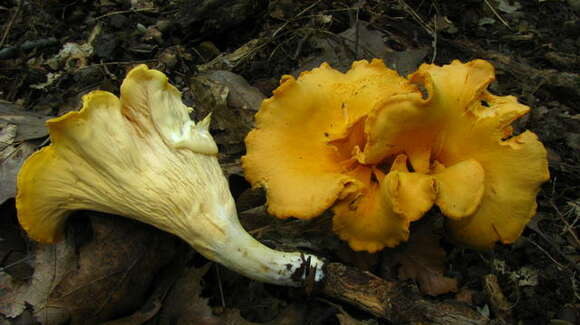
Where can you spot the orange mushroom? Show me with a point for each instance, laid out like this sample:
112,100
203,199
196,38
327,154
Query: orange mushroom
373,147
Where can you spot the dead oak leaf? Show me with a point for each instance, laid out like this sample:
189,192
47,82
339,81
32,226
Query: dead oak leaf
113,272
51,264
184,303
423,260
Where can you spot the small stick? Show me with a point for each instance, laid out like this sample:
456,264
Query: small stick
393,301
490,6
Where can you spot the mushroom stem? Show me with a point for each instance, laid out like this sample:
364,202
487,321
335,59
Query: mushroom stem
240,252
216,233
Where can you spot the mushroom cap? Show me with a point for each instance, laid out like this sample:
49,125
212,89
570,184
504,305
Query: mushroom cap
292,152
487,177
329,139
138,156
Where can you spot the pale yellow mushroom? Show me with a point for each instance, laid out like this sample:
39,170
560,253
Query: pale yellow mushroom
140,156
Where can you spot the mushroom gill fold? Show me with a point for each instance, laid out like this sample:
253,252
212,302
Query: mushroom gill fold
140,156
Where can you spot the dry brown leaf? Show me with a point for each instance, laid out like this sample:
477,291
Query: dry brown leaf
51,264
465,295
363,43
232,103
423,260
29,125
11,158
17,128
346,319
233,317
15,257
339,50
184,304
115,270
163,284
107,277
292,315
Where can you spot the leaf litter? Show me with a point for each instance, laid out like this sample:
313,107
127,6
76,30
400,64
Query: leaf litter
539,282
422,259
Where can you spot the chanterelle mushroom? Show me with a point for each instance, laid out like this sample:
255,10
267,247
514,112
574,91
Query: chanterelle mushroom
141,156
381,150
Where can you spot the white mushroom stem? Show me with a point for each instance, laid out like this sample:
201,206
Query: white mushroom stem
238,251
253,259
214,230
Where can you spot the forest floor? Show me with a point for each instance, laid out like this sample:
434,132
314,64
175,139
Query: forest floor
110,270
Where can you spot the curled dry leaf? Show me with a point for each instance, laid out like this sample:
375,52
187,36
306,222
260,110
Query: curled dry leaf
184,304
29,125
338,50
17,130
232,103
423,260
109,276
346,319
241,94
51,264
11,158
361,42
114,271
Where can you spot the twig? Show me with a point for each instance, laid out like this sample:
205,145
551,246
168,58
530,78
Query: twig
435,5
569,228
562,267
356,34
220,287
120,12
22,260
393,301
10,23
434,42
298,15
416,16
490,6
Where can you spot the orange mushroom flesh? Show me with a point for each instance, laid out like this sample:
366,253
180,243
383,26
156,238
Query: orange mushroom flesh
380,153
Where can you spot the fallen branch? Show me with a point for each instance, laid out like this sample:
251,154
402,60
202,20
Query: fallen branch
395,302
